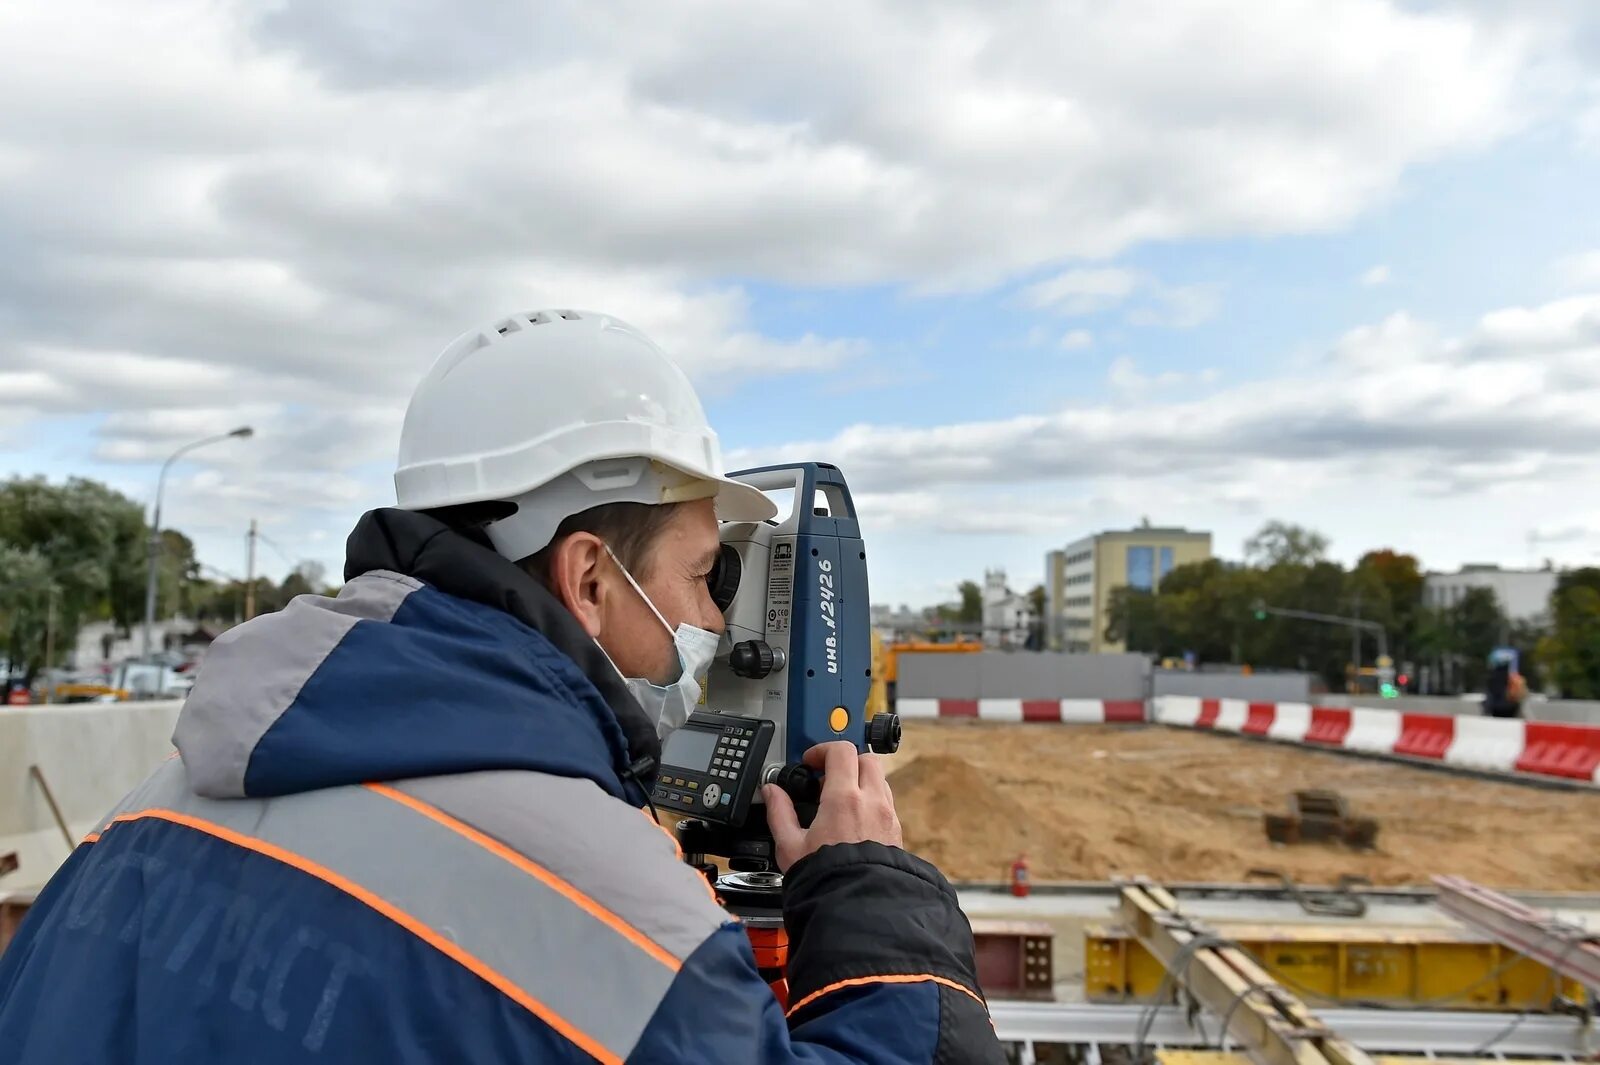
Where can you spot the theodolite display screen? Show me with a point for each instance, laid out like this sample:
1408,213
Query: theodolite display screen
712,766
690,749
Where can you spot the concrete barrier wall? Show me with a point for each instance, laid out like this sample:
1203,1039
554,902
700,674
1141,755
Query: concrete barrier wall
91,755
1026,676
1571,711
938,676
1257,688
1552,749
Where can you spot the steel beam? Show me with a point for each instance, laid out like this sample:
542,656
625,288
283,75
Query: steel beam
1263,1019
1565,948
1443,1032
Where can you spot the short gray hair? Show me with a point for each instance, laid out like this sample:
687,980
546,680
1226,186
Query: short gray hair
629,528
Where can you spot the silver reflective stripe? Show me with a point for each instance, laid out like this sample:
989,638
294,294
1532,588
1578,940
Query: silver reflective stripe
605,848
169,784
579,972
253,673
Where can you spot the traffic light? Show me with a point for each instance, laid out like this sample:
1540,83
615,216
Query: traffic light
1389,691
1261,610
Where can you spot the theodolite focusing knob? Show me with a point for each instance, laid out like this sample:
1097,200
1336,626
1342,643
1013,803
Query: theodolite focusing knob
883,733
801,783
754,659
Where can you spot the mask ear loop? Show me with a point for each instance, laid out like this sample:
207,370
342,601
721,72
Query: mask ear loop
670,631
647,765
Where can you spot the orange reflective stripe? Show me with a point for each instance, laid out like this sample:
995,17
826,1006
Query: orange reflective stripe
93,837
912,978
441,943
538,872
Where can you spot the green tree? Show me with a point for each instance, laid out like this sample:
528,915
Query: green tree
26,588
971,611
1205,607
1476,626
74,552
219,603
1283,543
1386,587
1571,652
1133,620
308,578
178,580
1528,638
1037,628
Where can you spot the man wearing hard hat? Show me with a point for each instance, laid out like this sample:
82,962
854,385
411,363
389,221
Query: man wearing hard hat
407,824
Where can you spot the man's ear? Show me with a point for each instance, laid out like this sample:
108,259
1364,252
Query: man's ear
575,568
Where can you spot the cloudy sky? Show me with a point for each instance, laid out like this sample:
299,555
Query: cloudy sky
1023,270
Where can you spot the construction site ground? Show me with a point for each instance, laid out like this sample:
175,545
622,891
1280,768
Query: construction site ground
1092,802
1089,802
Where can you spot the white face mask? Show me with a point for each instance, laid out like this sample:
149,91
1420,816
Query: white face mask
670,705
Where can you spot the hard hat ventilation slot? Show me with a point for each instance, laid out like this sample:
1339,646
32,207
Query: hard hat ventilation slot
571,316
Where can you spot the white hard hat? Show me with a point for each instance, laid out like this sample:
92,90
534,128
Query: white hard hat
557,412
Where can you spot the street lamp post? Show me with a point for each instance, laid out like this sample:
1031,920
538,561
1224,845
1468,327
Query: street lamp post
242,432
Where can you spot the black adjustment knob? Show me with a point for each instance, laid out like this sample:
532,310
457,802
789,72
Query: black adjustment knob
883,733
754,659
694,836
801,784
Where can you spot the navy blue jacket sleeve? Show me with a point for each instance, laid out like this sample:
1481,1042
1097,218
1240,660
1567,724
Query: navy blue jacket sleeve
881,970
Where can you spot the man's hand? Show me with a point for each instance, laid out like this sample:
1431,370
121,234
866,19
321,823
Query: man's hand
856,805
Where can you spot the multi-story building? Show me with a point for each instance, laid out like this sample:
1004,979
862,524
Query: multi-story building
1008,619
1080,578
1523,594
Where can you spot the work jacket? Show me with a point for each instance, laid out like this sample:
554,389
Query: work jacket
406,825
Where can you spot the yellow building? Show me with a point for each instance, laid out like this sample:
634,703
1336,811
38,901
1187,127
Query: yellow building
1080,578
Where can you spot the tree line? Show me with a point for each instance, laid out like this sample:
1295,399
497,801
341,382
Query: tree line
75,552
1209,609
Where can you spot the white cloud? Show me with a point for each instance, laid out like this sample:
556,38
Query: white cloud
1005,512
282,211
1376,275
1125,377
1510,402
1082,291
722,139
1178,306
1076,340
1564,535
1581,271
316,205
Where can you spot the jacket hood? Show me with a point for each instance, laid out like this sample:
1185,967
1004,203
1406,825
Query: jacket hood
438,656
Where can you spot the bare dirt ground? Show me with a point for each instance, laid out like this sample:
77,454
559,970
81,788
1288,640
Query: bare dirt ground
1089,802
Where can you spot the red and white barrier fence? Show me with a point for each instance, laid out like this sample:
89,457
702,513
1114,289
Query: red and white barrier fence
1497,744
1074,711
